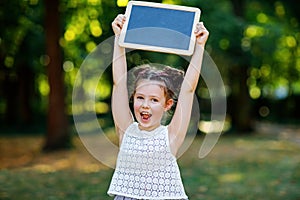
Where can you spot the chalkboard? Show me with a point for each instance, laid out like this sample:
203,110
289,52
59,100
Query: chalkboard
159,27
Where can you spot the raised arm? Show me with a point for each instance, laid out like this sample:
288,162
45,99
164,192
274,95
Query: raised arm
120,102
180,121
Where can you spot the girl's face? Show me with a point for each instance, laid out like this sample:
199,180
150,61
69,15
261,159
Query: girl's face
150,104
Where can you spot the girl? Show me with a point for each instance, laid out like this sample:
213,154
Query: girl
146,166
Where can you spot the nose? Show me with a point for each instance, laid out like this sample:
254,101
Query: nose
145,104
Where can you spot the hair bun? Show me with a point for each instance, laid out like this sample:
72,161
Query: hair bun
141,69
176,77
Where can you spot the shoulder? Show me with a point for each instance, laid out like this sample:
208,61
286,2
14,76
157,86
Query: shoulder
132,129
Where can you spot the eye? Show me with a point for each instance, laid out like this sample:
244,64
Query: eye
139,97
154,100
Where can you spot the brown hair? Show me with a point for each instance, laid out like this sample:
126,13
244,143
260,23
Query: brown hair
171,77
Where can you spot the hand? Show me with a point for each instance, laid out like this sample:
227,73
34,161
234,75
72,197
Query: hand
201,34
118,23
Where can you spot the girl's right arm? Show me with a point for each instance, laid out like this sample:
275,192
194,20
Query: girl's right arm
120,103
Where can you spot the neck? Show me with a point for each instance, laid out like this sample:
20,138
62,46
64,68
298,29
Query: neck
150,128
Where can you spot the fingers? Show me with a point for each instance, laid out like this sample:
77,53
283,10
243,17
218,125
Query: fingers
120,19
201,33
200,29
118,23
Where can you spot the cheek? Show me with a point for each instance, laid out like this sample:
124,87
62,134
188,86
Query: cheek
136,105
158,107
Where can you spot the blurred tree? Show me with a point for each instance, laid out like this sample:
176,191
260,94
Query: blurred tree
57,125
20,26
271,38
240,105
225,21
255,45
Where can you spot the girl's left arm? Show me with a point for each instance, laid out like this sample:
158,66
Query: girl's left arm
180,121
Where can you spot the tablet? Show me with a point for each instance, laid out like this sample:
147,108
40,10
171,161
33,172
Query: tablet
159,27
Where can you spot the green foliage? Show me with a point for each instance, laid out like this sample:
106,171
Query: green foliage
21,35
265,40
272,38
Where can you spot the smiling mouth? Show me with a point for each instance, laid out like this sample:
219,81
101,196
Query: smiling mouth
146,115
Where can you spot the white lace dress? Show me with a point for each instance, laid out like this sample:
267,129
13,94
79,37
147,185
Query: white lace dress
146,168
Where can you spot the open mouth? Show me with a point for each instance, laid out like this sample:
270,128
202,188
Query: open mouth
145,115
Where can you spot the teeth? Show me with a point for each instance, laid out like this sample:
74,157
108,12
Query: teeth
145,115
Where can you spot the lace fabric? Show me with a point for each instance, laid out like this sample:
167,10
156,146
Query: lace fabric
146,168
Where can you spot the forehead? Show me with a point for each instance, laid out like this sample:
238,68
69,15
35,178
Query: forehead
150,87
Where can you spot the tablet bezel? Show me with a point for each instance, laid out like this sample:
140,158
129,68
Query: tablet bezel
192,36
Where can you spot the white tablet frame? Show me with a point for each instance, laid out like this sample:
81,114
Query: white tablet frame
192,37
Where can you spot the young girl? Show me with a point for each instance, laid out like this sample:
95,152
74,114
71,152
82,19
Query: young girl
146,166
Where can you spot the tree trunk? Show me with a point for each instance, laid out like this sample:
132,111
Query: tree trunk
10,86
26,85
57,125
241,105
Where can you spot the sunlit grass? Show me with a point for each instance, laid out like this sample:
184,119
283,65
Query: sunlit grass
248,168
245,168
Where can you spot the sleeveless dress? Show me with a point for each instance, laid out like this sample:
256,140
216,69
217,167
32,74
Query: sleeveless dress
146,168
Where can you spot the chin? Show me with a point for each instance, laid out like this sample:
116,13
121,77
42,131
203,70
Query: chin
148,126
144,125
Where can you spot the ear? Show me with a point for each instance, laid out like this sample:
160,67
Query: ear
169,104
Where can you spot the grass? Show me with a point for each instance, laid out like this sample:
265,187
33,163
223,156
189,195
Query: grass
246,168
255,167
